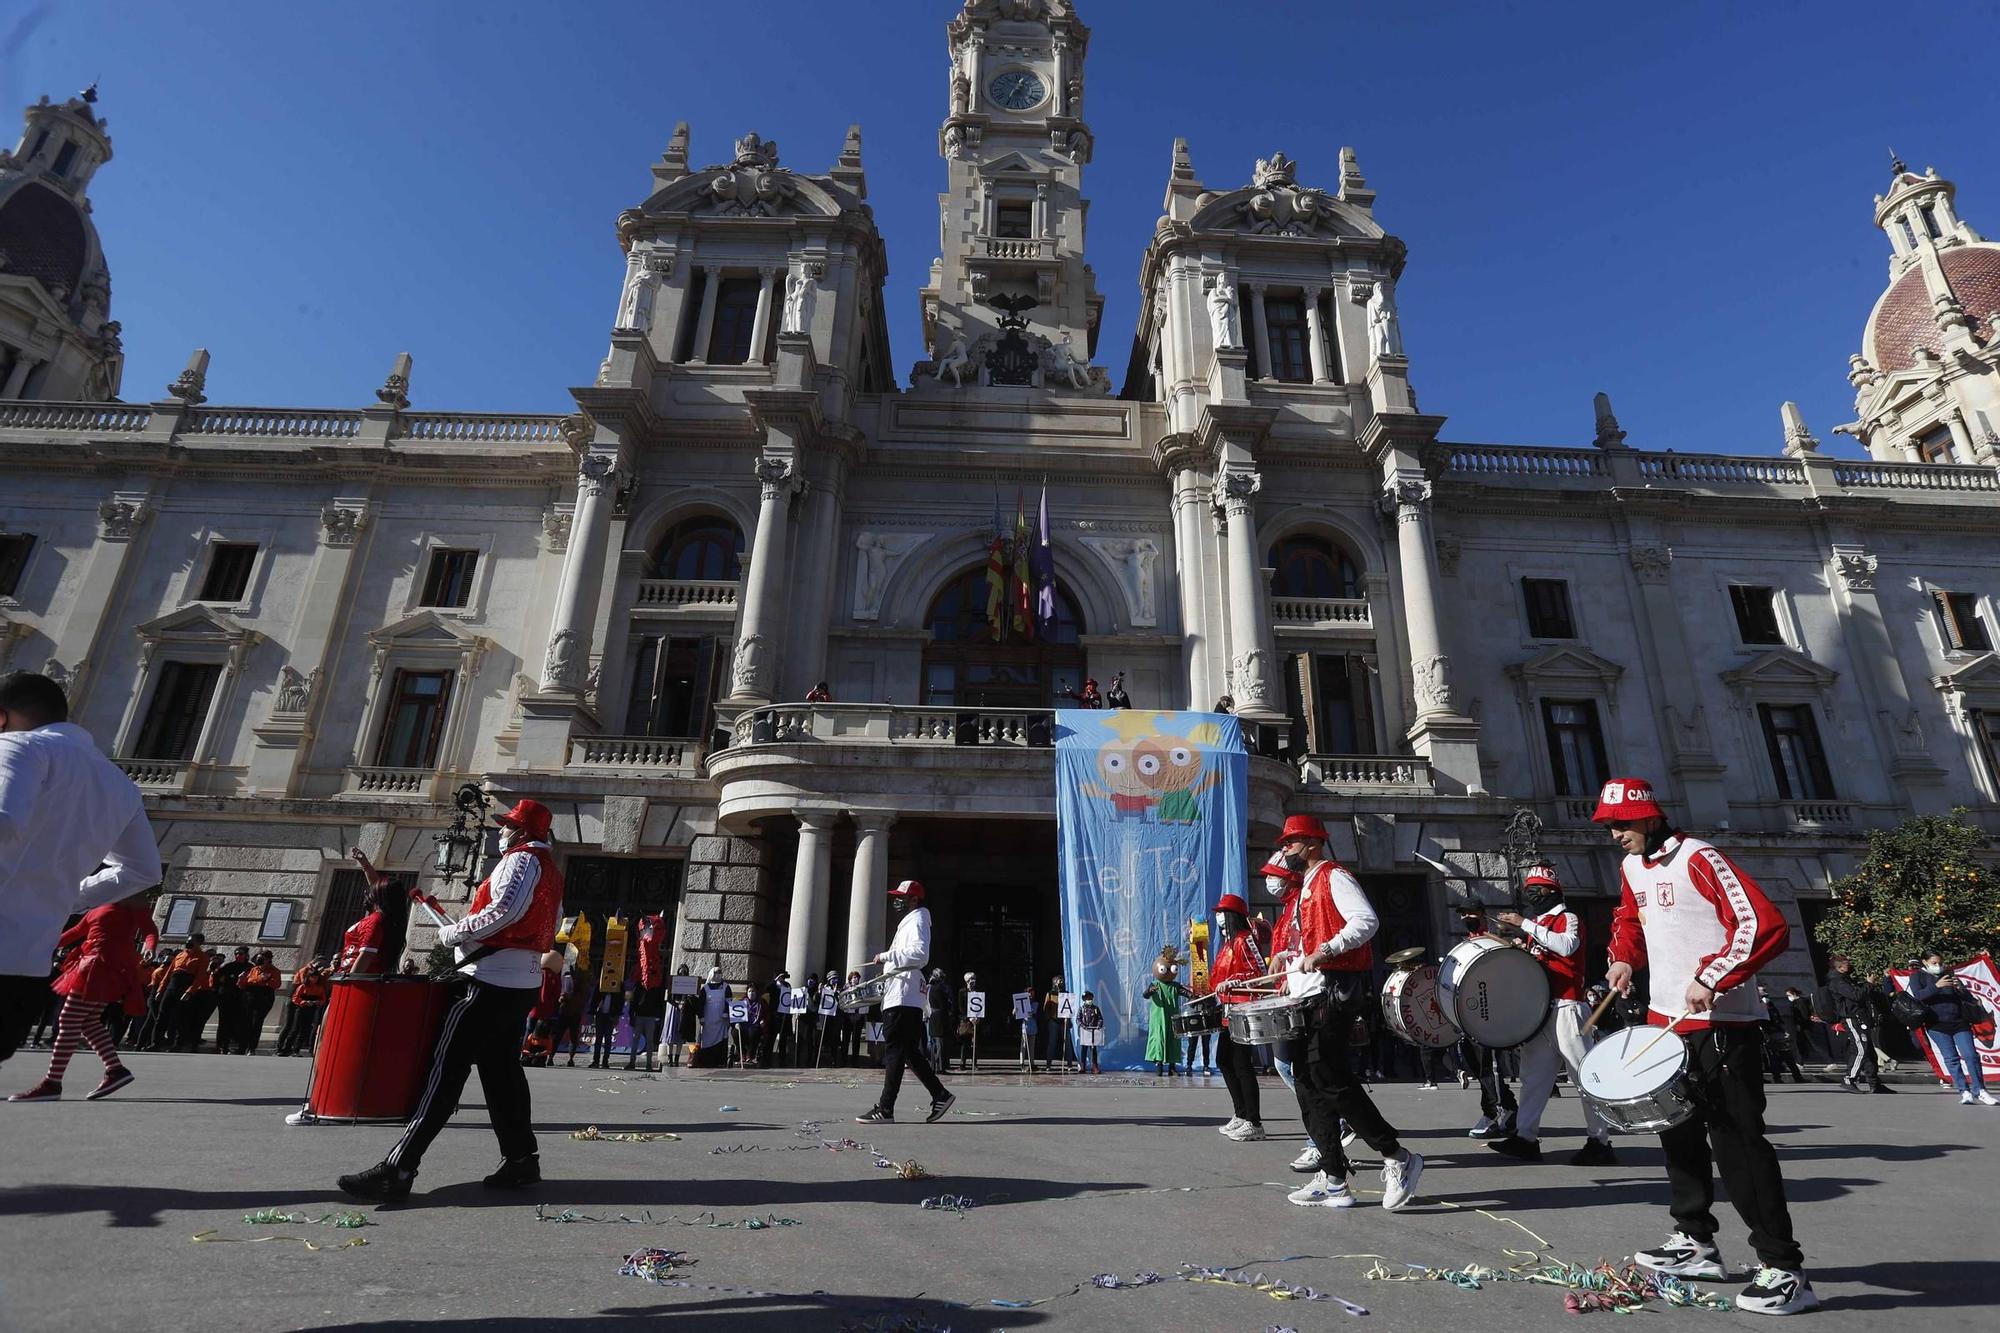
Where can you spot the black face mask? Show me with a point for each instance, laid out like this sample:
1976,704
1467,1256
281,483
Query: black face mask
1295,860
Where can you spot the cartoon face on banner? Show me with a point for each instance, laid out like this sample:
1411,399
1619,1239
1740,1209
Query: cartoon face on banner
1149,773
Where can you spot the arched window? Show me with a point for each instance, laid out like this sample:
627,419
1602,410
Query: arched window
706,546
1313,567
967,666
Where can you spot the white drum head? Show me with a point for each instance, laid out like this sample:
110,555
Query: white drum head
1612,1074
1497,994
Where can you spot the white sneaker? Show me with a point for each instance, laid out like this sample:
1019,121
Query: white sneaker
1777,1291
1399,1179
1322,1191
1480,1128
1464,1081
1231,1125
1427,1087
1966,1099
1307,1160
1986,1098
1248,1132
1684,1256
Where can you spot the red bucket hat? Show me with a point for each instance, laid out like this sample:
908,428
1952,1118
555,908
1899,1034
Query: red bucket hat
531,817
1282,871
1626,799
1302,826
1229,902
909,888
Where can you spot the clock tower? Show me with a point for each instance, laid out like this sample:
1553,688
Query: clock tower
1010,283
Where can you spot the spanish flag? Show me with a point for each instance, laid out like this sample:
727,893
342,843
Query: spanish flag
996,578
1024,577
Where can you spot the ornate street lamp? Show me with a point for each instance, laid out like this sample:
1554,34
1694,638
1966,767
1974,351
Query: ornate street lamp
1521,844
459,846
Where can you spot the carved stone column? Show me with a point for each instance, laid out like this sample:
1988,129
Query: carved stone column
123,523
1440,731
1249,609
19,376
805,941
1316,337
1961,438
282,737
1888,694
753,673
1663,640
566,662
705,325
868,895
1262,369
760,328
1191,565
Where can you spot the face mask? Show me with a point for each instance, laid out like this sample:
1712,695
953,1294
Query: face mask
1935,969
1295,860
1276,886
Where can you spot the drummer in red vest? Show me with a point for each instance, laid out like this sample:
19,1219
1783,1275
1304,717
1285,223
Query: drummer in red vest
1704,928
510,923
1554,935
1246,947
1334,923
1283,883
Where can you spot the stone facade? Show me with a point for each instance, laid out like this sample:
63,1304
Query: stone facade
302,629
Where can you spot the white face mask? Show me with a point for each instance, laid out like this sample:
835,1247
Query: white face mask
1277,886
1935,969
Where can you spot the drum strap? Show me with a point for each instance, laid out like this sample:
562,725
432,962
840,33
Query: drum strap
1256,954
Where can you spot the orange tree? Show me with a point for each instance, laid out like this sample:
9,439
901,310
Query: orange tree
1921,886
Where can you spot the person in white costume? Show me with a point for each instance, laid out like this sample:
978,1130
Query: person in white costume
903,1005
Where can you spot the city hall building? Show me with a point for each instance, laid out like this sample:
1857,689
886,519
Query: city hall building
302,629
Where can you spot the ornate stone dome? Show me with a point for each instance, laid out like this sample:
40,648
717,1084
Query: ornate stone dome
1902,320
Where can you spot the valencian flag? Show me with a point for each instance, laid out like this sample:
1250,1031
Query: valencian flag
1045,573
1024,597
996,577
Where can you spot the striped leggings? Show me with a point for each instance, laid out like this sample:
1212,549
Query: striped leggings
81,1020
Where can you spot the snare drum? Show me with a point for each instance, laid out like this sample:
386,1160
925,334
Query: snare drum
1643,1095
1411,1008
863,995
1198,1017
1267,1022
1497,994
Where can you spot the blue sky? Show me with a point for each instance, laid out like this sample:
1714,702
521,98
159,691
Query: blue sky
1671,203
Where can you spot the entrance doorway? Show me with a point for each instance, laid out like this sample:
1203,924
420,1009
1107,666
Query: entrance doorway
601,887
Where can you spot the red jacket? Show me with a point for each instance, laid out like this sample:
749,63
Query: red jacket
361,947
106,965
535,928
1556,940
1690,914
1242,957
1320,919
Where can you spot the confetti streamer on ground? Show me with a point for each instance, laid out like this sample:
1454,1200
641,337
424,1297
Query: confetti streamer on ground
768,1222
276,1217
592,1134
951,1203
210,1237
655,1265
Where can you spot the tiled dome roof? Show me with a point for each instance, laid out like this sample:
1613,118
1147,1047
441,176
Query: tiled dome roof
1902,320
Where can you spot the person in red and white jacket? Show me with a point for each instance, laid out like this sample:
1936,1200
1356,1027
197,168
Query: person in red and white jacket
1333,923
1244,956
1554,935
1704,928
510,923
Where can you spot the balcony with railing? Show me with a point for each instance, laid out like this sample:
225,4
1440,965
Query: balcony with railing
159,776
1372,774
1018,247
650,755
378,782
687,597
1320,613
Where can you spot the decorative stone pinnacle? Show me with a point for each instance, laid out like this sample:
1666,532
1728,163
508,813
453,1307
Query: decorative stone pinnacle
1275,170
395,390
1609,435
190,383
1798,440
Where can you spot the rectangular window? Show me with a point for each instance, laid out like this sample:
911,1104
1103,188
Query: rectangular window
697,288
1960,622
1756,613
182,692
1929,212
1015,220
1576,746
1936,446
15,548
1548,608
1986,726
672,683
1285,317
63,160
448,581
413,723
735,321
228,576
1797,760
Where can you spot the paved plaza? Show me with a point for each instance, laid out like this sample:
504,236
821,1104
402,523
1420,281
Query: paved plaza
1124,1174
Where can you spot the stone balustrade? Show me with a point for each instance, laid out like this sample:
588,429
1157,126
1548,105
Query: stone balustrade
1916,476
93,417
652,754
888,724
482,427
1310,612
273,423
1017,247
1817,475
412,783
1816,815
223,422
1524,461
158,775
686,595
1722,468
1388,773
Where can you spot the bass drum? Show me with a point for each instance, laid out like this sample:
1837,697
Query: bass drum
1497,994
1411,1008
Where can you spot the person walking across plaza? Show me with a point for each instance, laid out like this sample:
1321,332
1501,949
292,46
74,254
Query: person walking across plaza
903,1005
73,836
510,923
1333,923
1851,1002
103,968
1554,935
1703,929
1244,956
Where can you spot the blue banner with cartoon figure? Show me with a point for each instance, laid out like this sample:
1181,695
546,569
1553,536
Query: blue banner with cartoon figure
1151,822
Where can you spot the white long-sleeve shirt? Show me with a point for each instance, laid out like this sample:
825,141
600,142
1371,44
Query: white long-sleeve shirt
911,949
513,883
73,835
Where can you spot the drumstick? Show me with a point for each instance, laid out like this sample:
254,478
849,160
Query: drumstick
436,919
1598,1012
1656,1041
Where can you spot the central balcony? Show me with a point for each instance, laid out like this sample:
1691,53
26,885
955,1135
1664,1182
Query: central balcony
1320,613
685,597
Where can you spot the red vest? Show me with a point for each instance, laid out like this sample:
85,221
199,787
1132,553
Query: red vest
1565,974
1319,920
1245,956
535,928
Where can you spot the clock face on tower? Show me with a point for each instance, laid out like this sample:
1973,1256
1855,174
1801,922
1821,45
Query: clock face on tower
1017,90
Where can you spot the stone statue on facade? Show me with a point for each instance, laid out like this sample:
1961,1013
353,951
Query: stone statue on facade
1222,325
1063,361
559,666
746,671
1142,555
1385,335
1247,680
961,92
955,360
295,690
797,286
1433,681
635,303
877,555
